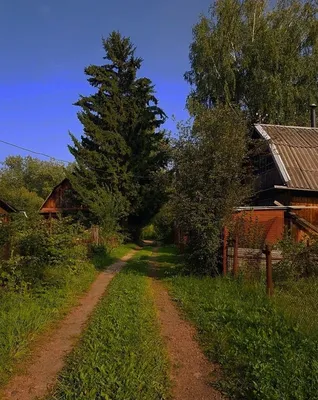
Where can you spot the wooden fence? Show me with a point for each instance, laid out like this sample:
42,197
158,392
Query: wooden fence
252,261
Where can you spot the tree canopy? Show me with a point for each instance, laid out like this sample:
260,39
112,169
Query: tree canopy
210,181
263,60
122,147
26,181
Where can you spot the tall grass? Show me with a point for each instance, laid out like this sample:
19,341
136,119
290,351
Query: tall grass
121,355
263,350
23,315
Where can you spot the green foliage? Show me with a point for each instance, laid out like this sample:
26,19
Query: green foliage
260,59
122,151
210,181
38,246
299,260
103,255
26,310
26,181
148,232
163,224
264,354
26,313
121,355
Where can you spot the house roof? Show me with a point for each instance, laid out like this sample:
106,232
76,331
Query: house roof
53,190
295,152
7,207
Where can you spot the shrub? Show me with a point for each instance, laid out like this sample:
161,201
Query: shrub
299,260
148,232
38,246
163,224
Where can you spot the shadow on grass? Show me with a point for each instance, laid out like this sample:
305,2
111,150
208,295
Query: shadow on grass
103,260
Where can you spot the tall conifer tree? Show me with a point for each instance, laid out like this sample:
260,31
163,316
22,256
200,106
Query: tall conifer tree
122,147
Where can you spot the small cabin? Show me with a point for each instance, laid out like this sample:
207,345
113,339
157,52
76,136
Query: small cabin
5,210
62,200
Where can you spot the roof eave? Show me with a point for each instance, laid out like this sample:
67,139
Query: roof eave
276,156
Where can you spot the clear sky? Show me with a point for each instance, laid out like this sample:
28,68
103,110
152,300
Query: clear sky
46,44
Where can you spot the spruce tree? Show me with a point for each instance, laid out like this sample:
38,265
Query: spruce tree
122,147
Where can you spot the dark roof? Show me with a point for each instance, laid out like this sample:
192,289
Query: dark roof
7,207
295,152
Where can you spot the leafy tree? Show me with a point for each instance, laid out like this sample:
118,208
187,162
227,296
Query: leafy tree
262,60
210,181
26,181
121,149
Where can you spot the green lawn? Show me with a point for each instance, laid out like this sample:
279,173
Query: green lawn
121,355
24,315
263,352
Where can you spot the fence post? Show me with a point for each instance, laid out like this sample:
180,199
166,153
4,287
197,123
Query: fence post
269,270
236,260
225,235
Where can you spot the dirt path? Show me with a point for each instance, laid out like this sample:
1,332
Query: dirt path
191,371
49,357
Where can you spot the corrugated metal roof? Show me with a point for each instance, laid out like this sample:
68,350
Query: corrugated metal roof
297,148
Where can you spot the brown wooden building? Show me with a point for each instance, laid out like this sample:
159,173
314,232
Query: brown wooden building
62,200
5,211
287,174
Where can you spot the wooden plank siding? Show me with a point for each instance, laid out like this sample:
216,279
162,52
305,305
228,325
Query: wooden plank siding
63,199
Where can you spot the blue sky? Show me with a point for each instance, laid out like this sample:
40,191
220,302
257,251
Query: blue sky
46,44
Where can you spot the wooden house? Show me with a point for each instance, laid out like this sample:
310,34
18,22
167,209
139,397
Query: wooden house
287,174
5,211
62,200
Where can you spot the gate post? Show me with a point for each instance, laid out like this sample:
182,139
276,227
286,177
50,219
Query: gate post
269,270
236,260
225,236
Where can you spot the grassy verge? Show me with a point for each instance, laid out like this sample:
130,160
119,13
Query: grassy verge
102,259
121,355
24,315
263,352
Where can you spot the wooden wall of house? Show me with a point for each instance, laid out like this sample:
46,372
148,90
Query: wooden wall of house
268,197
267,179
55,201
310,214
3,212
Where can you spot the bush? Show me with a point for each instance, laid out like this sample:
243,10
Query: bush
38,246
299,260
163,224
148,232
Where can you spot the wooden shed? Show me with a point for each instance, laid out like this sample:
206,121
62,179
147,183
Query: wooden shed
62,200
5,210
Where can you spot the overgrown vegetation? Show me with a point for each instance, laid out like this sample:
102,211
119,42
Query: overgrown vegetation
121,355
210,181
264,352
48,267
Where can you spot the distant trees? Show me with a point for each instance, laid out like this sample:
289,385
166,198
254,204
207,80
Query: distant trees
26,181
122,149
259,59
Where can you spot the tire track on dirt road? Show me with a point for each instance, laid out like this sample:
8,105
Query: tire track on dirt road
48,357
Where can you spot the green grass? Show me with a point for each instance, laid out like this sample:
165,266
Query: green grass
264,354
299,301
103,259
121,355
23,316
